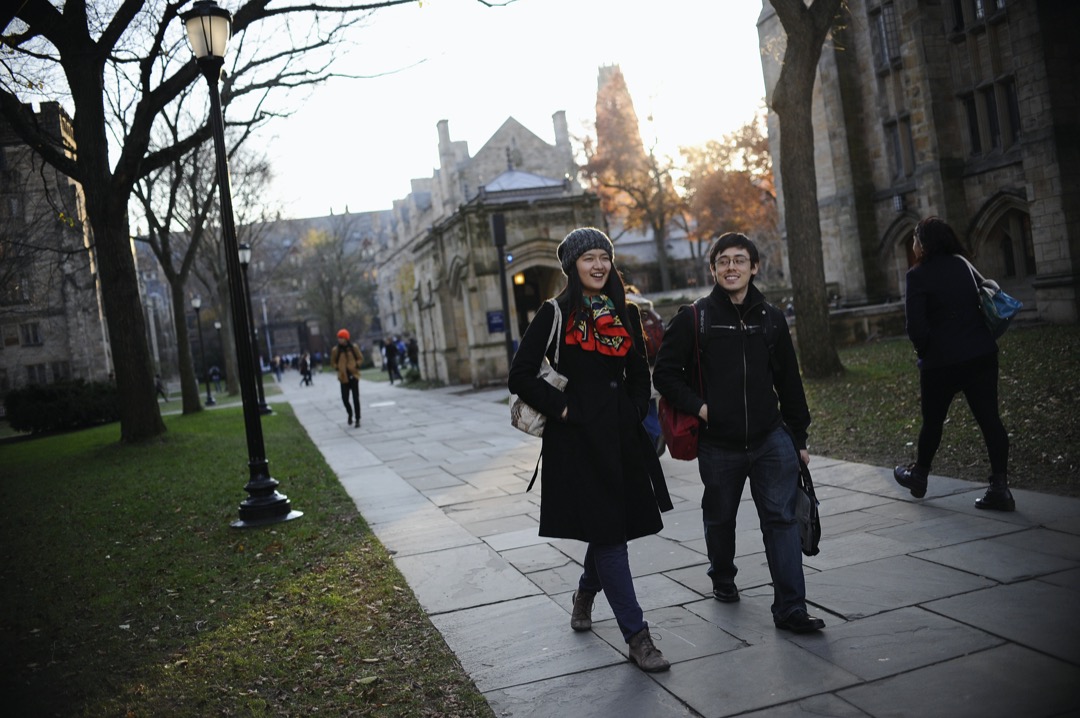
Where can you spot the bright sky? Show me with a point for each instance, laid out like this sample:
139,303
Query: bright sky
692,64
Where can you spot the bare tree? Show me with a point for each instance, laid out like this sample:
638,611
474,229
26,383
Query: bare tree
337,288
806,27
119,65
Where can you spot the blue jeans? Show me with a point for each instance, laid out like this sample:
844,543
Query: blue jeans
773,468
607,569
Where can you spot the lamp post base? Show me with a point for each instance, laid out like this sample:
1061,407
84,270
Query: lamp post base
253,523
264,505
265,409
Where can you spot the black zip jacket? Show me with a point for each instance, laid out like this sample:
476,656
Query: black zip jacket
749,394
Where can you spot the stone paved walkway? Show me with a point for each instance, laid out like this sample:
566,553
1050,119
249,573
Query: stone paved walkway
933,607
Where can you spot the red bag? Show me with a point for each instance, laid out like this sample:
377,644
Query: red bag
680,430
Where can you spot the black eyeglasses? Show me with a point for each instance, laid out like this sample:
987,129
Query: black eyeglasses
739,261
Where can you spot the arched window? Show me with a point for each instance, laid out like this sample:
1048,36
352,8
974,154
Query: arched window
1007,250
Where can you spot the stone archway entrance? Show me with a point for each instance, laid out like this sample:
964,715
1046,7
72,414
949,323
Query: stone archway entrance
532,287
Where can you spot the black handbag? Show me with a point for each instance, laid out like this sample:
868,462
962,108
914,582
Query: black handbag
806,511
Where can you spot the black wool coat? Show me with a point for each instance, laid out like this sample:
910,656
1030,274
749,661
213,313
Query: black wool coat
601,478
944,318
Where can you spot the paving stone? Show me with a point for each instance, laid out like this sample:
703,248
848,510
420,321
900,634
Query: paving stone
520,641
621,690
812,707
1003,682
462,577
945,530
682,524
834,500
422,531
530,559
855,522
997,560
1034,614
853,549
1065,579
654,554
464,493
895,642
501,525
877,586
515,539
1042,540
559,580
779,672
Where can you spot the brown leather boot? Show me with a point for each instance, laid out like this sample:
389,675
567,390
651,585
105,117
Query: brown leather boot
912,477
581,616
647,656
998,497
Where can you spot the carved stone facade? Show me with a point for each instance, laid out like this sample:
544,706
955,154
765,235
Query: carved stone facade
52,322
442,277
965,109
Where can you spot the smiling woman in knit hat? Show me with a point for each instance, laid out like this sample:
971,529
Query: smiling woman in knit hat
603,483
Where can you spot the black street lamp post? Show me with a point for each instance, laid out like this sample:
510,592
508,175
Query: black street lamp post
196,304
245,260
208,27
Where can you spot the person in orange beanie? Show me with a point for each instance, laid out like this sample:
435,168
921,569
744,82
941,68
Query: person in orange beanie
346,359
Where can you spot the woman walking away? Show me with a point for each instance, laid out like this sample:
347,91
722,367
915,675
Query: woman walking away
957,353
601,476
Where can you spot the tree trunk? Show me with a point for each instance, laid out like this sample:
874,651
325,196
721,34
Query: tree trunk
817,353
140,416
189,383
806,28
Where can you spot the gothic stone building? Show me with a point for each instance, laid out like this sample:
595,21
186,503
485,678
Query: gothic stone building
442,277
965,109
52,322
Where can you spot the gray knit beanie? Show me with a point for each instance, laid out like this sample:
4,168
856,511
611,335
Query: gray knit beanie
579,242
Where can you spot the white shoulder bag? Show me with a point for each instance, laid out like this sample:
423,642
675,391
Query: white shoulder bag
523,416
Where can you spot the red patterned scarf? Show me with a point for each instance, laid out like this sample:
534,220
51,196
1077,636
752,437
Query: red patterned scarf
596,327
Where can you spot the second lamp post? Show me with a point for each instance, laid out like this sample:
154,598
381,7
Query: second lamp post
196,304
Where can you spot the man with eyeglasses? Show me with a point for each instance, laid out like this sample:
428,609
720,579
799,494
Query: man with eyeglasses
754,422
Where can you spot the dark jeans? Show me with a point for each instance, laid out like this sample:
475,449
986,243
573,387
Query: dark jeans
353,387
607,569
978,380
773,468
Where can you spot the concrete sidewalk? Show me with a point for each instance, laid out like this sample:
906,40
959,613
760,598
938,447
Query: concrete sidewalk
933,608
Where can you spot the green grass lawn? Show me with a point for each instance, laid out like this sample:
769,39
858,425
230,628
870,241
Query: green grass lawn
871,413
126,592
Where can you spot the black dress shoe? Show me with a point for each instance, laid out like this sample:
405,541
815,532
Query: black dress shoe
799,621
726,592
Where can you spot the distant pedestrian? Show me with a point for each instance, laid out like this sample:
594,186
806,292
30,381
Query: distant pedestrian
346,359
414,353
390,351
602,480
159,387
215,376
305,370
275,364
957,353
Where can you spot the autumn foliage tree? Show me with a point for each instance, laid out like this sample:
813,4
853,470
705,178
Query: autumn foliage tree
728,186
636,188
